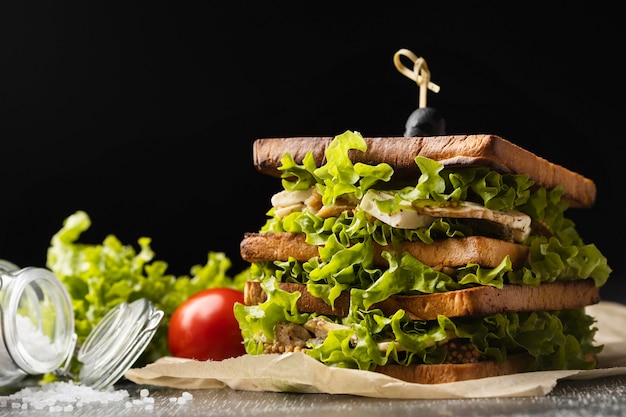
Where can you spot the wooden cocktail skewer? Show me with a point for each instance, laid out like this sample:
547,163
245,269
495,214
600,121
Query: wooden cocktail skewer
420,73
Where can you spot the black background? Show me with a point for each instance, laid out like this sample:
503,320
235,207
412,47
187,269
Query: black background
144,115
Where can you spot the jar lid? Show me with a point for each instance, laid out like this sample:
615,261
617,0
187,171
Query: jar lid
116,342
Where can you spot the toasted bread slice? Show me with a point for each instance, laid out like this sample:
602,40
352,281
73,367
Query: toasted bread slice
453,252
476,301
256,247
442,373
455,150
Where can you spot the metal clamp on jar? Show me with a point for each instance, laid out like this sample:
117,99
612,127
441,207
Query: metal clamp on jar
37,323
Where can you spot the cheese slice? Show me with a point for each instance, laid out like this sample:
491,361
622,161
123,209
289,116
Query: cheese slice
405,218
411,217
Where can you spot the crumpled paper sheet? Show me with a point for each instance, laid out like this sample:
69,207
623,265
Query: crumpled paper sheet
296,372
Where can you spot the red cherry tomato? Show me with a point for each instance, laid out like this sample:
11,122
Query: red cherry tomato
204,326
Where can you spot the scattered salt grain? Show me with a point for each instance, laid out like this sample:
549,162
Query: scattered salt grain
183,399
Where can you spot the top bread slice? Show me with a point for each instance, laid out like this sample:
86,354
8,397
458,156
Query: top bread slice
453,150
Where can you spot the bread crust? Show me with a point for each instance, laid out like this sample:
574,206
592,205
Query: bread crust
256,247
475,301
452,252
442,373
452,150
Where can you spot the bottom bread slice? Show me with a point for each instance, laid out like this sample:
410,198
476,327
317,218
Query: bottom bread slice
442,373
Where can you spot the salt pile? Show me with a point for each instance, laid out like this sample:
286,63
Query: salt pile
60,396
66,396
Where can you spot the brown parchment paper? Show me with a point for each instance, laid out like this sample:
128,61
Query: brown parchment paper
296,372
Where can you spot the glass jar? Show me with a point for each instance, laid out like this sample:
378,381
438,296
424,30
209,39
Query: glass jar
38,337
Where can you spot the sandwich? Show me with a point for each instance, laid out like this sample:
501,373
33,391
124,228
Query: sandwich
429,259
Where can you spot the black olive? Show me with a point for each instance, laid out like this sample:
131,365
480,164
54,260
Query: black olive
425,121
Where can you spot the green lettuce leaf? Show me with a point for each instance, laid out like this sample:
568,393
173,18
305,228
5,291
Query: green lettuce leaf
100,276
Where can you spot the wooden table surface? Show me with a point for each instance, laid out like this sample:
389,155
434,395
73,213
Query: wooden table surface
604,397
